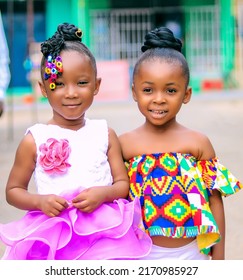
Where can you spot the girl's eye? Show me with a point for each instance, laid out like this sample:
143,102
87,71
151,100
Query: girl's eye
82,82
147,90
58,84
171,90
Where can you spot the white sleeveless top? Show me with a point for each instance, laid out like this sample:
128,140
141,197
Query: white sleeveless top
88,157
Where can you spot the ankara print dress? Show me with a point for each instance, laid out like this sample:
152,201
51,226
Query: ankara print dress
174,191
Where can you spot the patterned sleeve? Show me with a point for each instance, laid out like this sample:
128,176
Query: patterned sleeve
217,177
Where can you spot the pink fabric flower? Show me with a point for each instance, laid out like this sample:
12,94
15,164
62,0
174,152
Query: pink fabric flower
54,155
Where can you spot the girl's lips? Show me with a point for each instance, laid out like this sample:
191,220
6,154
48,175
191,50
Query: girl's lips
158,113
71,105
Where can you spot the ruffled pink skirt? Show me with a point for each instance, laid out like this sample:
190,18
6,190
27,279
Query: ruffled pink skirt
111,232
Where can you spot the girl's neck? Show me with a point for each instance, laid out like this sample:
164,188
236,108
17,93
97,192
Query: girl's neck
68,124
171,125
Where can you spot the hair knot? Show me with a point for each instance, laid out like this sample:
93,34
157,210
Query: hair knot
161,38
65,32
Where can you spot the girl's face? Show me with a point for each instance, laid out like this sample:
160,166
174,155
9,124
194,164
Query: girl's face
75,88
159,88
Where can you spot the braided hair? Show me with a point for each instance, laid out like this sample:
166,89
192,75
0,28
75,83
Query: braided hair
161,43
67,37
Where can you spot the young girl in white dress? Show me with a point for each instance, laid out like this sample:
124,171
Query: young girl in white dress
80,209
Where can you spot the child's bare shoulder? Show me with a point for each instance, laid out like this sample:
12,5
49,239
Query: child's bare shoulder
128,142
27,144
200,144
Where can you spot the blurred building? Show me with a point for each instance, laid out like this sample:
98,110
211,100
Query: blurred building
211,30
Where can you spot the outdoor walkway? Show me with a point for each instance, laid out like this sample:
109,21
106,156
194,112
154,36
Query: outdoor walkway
218,115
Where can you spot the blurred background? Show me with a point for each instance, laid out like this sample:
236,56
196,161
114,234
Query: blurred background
211,30
114,30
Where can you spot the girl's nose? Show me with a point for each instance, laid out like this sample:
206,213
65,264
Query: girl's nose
159,97
71,92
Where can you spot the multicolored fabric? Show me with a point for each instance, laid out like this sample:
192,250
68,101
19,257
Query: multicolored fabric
174,191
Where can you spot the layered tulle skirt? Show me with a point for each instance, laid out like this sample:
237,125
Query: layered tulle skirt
113,231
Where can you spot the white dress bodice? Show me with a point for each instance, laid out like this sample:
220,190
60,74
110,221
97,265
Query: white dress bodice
88,157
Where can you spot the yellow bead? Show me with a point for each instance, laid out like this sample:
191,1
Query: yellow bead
47,70
59,64
52,86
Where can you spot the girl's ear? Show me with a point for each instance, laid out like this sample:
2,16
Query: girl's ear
134,95
97,86
187,96
42,88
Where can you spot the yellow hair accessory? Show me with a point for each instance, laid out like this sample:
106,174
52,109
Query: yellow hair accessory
79,33
52,86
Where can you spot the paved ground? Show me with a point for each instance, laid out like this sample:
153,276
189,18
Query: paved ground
219,115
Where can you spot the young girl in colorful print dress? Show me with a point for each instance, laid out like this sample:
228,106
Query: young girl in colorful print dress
79,210
173,170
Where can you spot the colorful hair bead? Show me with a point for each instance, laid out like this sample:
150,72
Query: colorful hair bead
48,70
59,64
53,69
58,58
53,76
59,69
52,86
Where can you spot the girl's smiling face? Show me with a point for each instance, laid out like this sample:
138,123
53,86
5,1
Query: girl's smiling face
160,88
75,88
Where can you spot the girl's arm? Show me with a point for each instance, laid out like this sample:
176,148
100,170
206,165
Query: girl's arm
17,185
120,185
216,204
217,208
89,199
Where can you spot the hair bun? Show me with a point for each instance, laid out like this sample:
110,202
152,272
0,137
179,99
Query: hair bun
69,32
65,32
161,38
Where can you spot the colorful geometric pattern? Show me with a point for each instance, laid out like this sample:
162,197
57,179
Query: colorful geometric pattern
174,191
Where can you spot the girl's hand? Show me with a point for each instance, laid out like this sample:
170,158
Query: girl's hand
52,205
89,199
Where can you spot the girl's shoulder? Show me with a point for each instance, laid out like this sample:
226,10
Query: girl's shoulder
180,139
198,144
26,145
130,136
127,136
